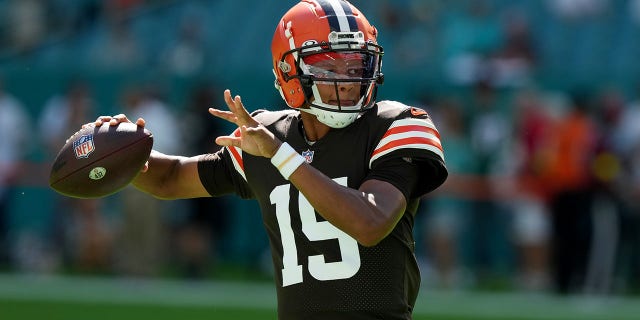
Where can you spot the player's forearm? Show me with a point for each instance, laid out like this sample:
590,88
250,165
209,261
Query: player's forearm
355,212
156,180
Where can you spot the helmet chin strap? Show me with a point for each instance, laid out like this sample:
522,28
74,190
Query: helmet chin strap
336,120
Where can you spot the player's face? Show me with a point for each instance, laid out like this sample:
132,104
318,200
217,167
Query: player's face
341,67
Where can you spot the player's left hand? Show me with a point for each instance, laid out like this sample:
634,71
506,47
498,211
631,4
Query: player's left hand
254,138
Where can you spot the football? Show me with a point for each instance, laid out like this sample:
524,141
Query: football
98,161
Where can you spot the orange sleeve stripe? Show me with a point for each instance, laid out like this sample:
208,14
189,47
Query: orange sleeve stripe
409,128
408,142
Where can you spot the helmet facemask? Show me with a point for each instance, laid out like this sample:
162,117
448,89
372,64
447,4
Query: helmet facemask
339,78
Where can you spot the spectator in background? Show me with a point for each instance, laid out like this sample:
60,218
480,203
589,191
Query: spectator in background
14,126
627,142
567,176
81,229
525,193
490,134
608,203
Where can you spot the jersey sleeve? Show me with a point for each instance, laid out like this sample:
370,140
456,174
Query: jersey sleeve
413,137
400,173
223,173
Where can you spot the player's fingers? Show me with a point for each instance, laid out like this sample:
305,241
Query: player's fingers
101,120
267,142
242,113
231,104
237,108
118,119
227,141
145,168
251,131
226,115
227,97
140,122
89,124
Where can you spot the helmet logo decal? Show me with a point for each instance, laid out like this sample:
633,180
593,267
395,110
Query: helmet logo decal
309,43
312,44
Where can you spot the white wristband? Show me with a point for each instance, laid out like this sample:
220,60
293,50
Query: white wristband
286,160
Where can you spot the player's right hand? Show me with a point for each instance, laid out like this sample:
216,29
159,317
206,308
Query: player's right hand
114,121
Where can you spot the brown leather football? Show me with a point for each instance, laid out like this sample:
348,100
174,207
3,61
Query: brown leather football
98,161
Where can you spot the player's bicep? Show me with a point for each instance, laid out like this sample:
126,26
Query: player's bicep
399,172
387,199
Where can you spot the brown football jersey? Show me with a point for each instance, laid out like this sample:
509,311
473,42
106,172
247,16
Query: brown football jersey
320,271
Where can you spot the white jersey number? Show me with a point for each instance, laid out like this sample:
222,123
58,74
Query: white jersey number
315,231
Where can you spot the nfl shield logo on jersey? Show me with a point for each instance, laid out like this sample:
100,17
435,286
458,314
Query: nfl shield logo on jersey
308,155
83,147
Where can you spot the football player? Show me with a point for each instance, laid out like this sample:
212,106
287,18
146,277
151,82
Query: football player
338,175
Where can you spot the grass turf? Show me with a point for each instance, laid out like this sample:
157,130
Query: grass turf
69,298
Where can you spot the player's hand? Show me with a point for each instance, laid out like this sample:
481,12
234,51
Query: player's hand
114,121
254,138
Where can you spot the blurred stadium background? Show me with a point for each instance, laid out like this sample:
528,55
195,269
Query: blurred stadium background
538,103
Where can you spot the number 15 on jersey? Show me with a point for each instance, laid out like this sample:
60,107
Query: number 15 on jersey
314,231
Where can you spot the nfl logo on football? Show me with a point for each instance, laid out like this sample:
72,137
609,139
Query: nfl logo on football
83,147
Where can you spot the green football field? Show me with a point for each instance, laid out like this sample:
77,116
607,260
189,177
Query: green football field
69,298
